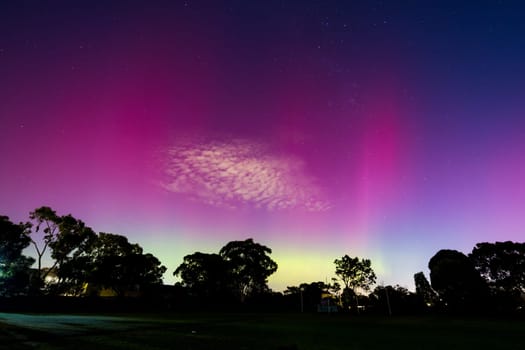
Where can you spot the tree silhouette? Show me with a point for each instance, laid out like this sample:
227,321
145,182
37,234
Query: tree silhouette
110,261
393,300
241,269
424,290
456,280
14,266
66,237
355,274
250,266
45,220
205,275
502,265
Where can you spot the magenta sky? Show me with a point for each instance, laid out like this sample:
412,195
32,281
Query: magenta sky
386,131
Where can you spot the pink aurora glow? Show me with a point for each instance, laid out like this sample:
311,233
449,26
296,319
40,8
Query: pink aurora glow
187,126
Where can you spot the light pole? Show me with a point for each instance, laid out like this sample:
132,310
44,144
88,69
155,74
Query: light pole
302,301
387,298
388,302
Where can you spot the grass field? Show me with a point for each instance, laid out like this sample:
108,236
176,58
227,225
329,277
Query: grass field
256,331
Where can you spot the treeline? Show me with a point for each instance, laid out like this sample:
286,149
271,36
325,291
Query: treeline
83,262
491,279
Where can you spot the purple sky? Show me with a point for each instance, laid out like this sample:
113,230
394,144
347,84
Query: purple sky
385,130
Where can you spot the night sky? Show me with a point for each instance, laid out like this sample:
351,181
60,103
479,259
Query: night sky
380,129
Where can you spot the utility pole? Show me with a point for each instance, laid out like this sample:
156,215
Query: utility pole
388,302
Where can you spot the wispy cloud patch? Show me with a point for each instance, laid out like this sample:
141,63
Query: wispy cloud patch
241,173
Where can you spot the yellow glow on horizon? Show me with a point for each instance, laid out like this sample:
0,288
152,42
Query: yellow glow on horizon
296,267
300,267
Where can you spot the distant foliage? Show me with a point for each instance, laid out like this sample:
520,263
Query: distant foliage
241,269
491,278
14,266
307,296
356,274
394,300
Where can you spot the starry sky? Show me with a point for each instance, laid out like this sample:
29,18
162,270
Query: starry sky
381,129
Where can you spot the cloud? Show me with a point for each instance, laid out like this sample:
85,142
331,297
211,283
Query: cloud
240,173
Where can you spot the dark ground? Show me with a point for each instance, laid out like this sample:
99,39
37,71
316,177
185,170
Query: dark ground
256,331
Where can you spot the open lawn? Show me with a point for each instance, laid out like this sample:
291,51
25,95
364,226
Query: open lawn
256,331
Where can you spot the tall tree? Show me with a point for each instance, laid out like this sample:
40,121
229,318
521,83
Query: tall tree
502,264
456,280
355,274
424,290
250,266
110,261
45,221
66,237
205,275
14,266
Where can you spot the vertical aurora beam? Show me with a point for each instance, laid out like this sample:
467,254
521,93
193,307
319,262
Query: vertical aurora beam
377,169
